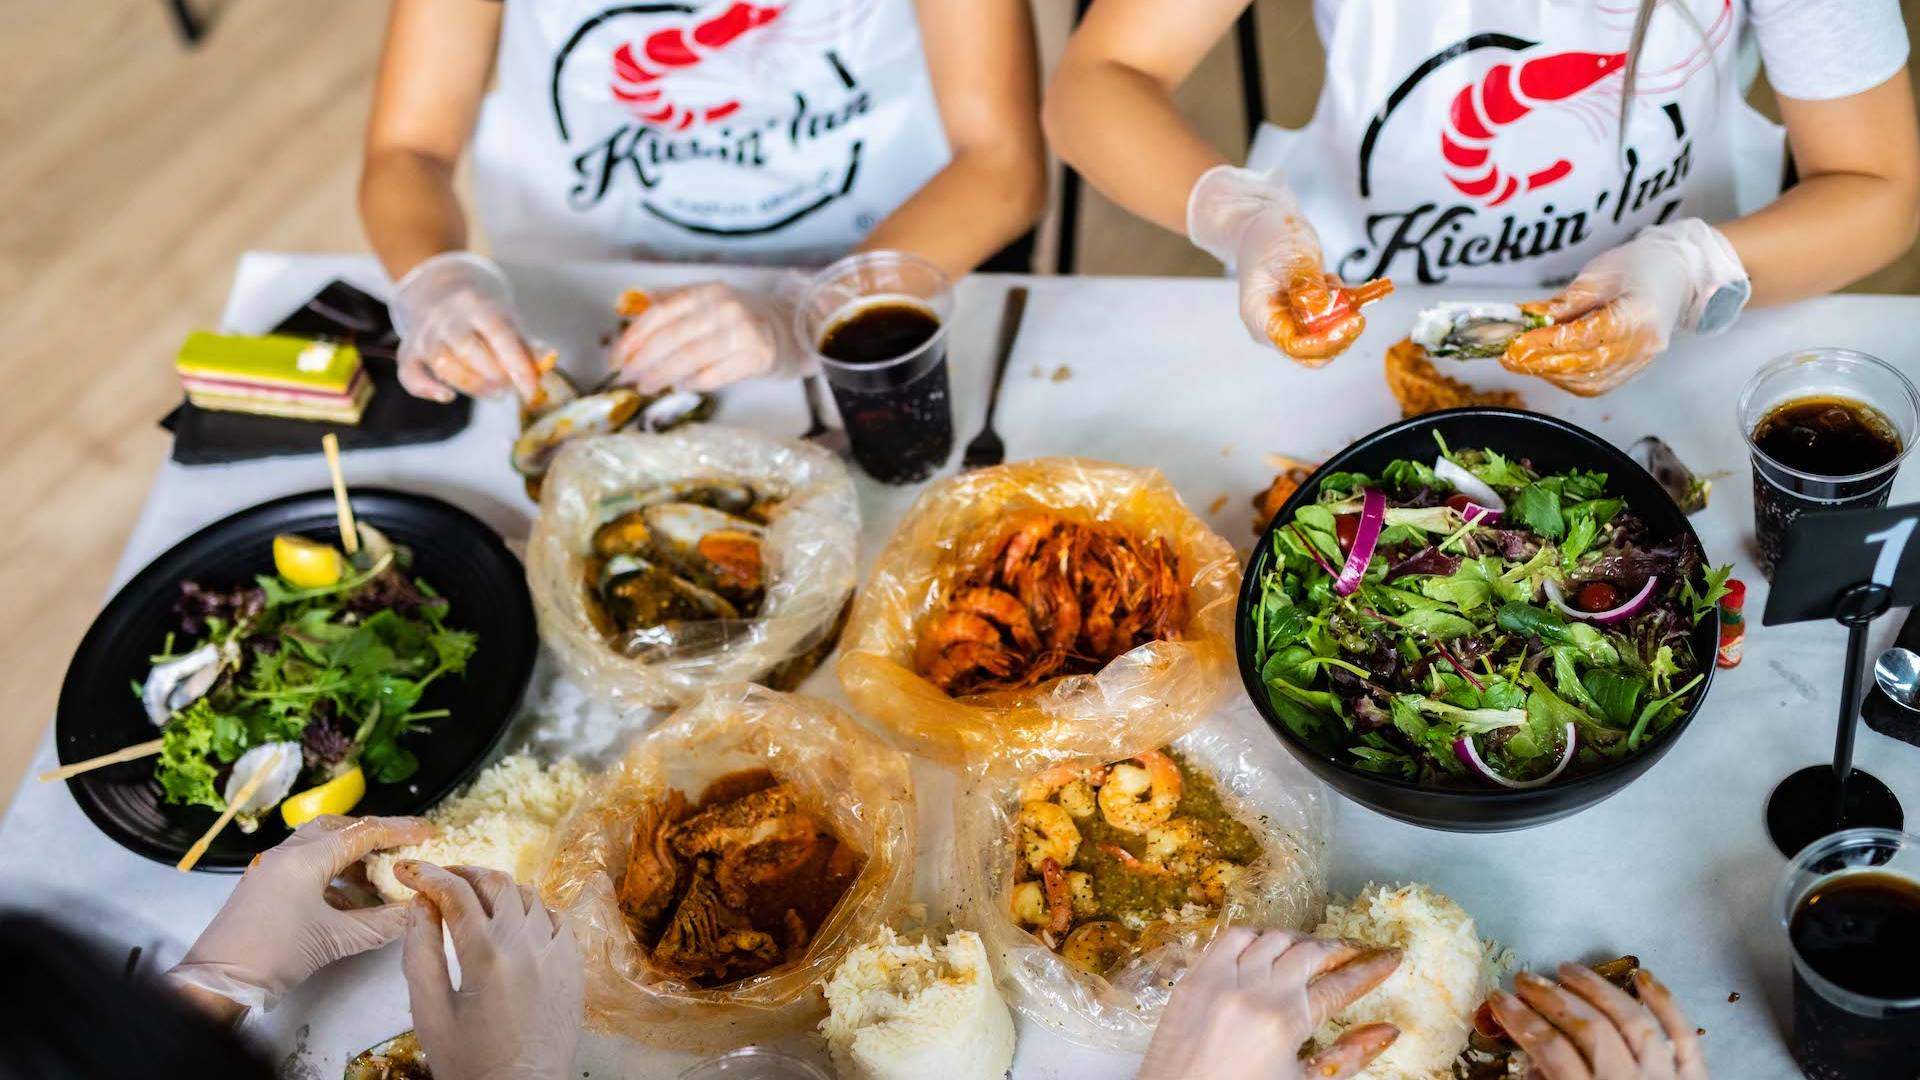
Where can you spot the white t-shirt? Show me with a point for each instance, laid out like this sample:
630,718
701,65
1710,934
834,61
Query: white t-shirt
1814,50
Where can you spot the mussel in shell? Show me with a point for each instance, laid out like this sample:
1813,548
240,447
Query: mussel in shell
713,548
733,496
594,414
1472,331
672,408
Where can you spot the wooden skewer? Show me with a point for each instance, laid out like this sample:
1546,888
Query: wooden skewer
131,753
240,798
349,536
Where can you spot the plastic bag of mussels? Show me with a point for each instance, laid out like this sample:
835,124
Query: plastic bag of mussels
662,564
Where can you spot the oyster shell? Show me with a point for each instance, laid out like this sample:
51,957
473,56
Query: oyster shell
1473,330
712,548
178,683
281,761
1688,490
594,414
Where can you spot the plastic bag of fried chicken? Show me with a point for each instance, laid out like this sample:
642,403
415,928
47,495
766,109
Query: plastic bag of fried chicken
1096,883
1057,603
662,564
717,874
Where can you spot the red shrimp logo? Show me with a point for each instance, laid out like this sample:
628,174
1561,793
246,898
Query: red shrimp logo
643,77
1502,97
1581,83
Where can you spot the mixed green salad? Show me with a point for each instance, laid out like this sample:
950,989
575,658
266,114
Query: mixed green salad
311,673
1470,622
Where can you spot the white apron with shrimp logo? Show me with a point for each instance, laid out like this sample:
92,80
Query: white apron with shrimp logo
774,131
1478,142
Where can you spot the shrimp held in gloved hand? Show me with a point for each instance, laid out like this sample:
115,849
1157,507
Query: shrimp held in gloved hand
1252,222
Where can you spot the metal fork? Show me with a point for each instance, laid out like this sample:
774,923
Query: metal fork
986,447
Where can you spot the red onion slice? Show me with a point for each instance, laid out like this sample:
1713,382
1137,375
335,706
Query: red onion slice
1481,498
1373,514
1469,756
1605,618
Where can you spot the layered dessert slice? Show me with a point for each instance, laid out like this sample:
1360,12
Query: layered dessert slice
275,375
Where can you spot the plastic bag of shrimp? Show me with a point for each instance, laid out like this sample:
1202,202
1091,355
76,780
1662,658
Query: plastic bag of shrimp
717,874
662,564
1058,603
1096,883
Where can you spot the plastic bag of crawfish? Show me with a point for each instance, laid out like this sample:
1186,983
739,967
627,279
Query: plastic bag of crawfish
1058,603
804,556
839,775
1228,765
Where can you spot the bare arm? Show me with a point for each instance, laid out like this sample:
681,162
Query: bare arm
980,55
1857,205
433,73
1110,112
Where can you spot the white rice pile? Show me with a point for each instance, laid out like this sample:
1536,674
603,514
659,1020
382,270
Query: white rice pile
1445,973
911,1011
503,821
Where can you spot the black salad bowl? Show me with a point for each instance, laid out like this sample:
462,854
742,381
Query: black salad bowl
463,559
1550,445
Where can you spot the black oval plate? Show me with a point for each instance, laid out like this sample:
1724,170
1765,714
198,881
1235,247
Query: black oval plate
452,550
1552,445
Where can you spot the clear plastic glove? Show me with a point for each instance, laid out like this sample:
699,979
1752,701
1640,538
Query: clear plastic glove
454,314
517,1013
1255,998
704,337
1252,222
1625,306
1586,1028
277,927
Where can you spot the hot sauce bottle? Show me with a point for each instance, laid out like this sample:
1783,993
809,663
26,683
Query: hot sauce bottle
1733,625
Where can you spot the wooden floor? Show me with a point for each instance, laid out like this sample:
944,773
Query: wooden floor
135,174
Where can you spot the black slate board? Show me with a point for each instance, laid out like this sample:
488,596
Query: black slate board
338,312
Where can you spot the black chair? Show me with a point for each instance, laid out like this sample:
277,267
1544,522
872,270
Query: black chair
1246,34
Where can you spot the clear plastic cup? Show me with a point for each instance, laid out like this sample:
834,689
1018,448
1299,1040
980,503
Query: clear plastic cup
897,411
754,1063
1837,1031
1782,493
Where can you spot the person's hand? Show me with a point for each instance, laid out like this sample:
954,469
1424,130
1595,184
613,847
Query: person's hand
454,315
517,1013
1252,221
1586,1028
702,338
1625,306
1254,999
277,927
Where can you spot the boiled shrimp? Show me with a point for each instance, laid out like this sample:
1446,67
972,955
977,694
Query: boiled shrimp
1317,316
1047,832
1096,946
997,606
1211,884
1070,785
1179,846
1030,904
1136,797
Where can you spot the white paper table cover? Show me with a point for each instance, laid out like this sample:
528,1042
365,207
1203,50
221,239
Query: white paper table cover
1676,869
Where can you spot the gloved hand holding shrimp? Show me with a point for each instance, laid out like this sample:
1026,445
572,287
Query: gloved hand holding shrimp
1253,222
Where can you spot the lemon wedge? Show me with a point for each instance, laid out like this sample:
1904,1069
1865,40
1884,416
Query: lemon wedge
336,796
306,564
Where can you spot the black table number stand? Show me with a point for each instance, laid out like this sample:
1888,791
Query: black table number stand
1853,567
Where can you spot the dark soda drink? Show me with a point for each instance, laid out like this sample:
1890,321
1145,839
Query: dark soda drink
1826,443
877,322
897,415
1827,428
1858,931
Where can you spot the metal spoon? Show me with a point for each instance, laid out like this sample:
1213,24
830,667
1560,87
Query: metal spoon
1897,671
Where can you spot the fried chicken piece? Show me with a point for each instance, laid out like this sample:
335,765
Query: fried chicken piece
1421,389
1292,474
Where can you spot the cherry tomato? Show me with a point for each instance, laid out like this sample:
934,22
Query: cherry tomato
1345,528
1459,503
1596,596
